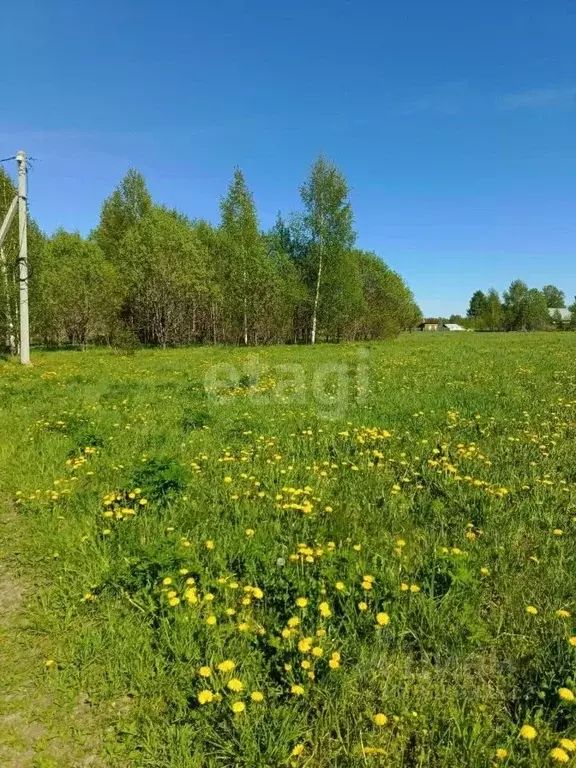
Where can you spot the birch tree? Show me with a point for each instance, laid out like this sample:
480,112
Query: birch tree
327,224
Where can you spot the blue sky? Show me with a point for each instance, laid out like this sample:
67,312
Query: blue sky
454,122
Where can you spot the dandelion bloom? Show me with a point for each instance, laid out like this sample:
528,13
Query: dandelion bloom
302,602
305,645
205,697
235,685
174,601
167,581
531,610
568,744
204,671
238,707
559,755
414,588
257,696
227,480
485,572
572,641
566,694
382,619
367,585
209,544
362,606
501,753
528,732
325,611
317,651
211,620
297,751
563,614
250,532
404,587
227,666
340,586
297,690
380,719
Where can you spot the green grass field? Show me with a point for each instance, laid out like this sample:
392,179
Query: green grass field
330,556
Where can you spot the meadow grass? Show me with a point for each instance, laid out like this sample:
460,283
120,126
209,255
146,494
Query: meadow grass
379,537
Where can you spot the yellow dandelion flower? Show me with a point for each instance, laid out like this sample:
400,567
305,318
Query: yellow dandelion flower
257,696
531,610
228,480
501,753
404,587
297,690
167,581
236,685
562,614
317,651
324,609
334,663
238,707
293,622
559,755
566,694
209,544
367,585
258,594
362,606
568,744
414,588
204,671
211,620
305,645
205,697
484,571
572,641
382,619
306,664
297,750
250,532
227,666
380,719
302,602
528,732
340,586
173,601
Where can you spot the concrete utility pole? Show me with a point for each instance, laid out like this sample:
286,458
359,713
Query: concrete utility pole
23,259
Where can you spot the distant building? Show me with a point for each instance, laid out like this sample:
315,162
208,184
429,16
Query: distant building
432,324
429,324
560,313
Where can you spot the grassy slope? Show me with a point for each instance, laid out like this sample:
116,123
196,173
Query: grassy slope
481,432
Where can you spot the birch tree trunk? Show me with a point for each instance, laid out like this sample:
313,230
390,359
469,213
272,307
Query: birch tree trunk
10,337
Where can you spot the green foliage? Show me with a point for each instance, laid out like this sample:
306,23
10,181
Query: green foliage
477,305
555,298
80,292
125,207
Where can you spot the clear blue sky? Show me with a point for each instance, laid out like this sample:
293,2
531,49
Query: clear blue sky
454,121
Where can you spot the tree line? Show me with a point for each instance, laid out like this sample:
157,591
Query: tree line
520,309
149,274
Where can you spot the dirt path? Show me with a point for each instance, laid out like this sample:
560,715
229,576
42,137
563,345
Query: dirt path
36,729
